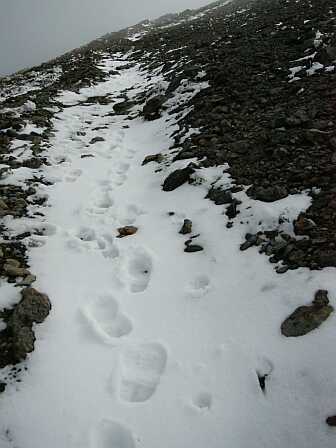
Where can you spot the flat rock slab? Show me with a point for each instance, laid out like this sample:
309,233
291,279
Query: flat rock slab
307,318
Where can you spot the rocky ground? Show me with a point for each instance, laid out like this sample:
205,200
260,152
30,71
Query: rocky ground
265,113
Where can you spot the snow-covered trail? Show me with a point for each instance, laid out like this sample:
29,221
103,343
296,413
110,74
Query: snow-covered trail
147,345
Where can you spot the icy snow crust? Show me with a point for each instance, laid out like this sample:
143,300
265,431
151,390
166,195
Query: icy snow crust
146,345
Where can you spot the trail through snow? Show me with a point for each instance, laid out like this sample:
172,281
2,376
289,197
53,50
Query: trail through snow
148,346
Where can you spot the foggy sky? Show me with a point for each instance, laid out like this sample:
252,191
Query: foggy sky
34,31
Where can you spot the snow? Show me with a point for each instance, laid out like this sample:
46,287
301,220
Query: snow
314,68
146,345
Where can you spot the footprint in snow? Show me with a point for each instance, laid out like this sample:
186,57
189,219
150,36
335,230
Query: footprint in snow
73,175
141,368
110,434
122,168
139,267
203,400
199,287
105,318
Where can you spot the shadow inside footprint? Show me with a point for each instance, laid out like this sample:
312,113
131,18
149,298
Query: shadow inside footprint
105,318
140,269
110,434
203,400
86,234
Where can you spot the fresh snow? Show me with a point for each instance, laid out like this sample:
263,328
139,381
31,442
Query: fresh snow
148,346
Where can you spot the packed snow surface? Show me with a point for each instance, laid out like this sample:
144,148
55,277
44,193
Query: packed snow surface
146,345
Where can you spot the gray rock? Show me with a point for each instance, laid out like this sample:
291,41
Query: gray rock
177,178
193,248
153,158
187,227
34,307
152,108
22,343
96,140
307,318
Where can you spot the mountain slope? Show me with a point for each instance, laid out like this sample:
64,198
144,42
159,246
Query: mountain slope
141,176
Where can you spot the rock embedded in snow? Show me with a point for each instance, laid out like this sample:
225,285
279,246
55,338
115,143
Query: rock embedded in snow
187,227
190,248
152,108
307,318
177,178
96,140
219,196
153,158
127,231
123,107
331,421
269,193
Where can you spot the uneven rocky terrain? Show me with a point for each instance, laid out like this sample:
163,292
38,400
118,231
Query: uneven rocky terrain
167,252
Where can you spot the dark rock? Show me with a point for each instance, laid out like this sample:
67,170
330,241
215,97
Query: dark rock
193,248
187,227
262,381
2,387
22,343
153,158
152,108
303,225
219,196
127,231
232,211
34,307
307,318
96,140
331,421
123,108
177,178
268,194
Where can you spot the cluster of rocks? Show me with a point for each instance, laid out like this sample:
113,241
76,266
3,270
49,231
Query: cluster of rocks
277,135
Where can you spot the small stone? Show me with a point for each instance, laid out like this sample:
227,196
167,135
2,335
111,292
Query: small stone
152,108
281,269
85,156
153,158
193,248
187,227
177,178
127,231
232,211
331,421
96,140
